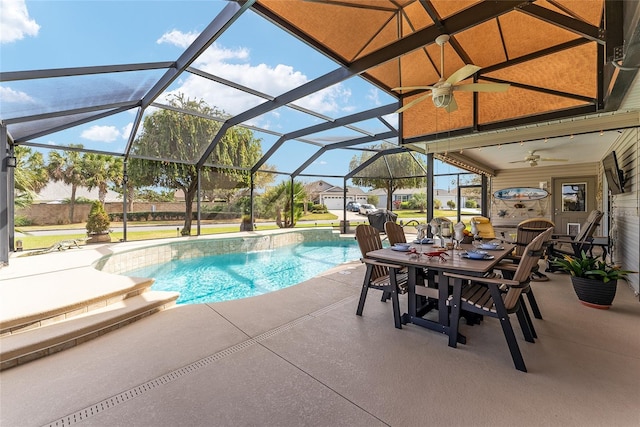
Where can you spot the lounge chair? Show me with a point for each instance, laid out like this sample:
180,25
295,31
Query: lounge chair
497,297
379,275
583,241
484,226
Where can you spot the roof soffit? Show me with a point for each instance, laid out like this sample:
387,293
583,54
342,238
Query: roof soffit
544,48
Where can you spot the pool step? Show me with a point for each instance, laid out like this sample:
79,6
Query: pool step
30,344
56,302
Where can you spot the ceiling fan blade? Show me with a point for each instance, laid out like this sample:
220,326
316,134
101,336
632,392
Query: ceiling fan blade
453,105
403,88
482,87
462,73
548,159
414,102
519,161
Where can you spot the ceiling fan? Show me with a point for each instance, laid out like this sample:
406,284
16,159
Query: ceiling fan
441,93
532,158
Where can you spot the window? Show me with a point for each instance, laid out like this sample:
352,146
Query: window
574,197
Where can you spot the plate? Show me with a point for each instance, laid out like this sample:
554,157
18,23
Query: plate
425,241
486,257
491,248
401,248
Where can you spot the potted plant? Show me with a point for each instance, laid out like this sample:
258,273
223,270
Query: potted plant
594,281
98,223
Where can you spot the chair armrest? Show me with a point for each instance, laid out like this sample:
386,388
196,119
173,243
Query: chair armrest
509,266
513,258
487,280
562,237
380,263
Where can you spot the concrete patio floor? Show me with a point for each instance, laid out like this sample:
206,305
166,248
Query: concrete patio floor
300,356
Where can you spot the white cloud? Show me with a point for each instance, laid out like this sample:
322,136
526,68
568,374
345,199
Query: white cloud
126,130
233,65
101,133
374,96
9,95
177,38
15,21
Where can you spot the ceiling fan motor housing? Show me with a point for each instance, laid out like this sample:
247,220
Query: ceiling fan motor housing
441,95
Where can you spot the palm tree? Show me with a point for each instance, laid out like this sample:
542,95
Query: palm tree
100,170
279,199
68,169
30,176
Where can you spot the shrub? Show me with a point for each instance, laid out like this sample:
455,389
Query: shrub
471,204
319,209
98,221
21,221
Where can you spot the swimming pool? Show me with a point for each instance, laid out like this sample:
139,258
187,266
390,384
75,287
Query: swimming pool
239,275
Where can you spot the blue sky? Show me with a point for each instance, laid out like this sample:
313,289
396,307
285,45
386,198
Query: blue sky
47,34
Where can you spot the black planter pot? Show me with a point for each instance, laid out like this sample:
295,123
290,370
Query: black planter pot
594,293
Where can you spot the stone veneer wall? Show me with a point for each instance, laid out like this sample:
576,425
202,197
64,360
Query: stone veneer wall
134,259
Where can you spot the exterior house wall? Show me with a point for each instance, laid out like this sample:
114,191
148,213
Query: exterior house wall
623,208
336,201
532,177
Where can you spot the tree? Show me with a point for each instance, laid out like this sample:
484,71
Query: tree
30,175
419,201
68,169
98,221
278,200
389,173
99,171
183,137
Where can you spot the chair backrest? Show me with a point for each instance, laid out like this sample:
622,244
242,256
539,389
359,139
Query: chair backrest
485,228
589,227
395,233
530,258
528,229
368,238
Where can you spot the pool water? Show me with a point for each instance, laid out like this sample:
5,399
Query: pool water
239,275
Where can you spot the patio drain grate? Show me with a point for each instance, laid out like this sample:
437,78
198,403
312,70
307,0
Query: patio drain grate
125,396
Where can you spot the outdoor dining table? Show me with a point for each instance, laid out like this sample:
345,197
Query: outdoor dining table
452,261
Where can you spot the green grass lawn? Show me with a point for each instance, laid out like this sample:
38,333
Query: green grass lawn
30,242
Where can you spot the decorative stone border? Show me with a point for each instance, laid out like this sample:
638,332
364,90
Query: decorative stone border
158,253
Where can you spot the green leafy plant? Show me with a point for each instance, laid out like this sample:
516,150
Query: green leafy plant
98,221
590,268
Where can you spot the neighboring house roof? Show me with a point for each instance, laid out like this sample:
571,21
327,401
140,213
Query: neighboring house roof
317,186
59,191
401,191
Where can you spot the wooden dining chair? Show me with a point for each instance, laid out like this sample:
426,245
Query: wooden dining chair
394,232
526,231
389,278
484,296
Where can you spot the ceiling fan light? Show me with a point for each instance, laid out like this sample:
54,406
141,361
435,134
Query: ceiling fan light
442,100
